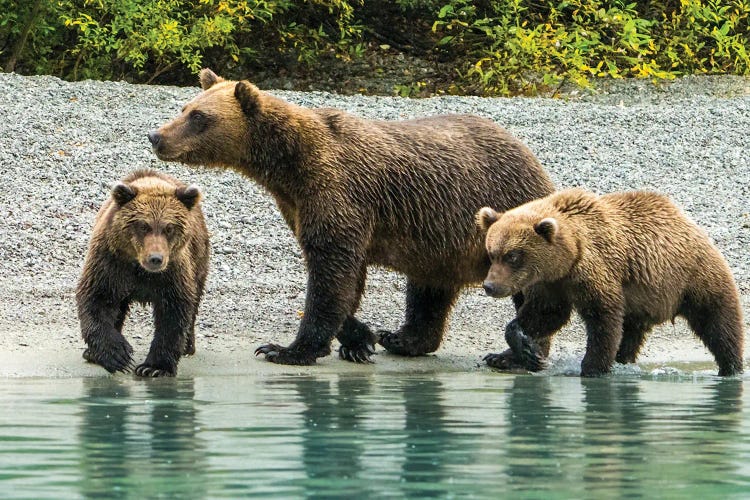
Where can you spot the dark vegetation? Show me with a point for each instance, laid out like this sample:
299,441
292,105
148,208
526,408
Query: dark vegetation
409,47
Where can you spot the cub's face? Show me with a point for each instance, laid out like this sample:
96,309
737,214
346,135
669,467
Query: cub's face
524,249
150,223
211,130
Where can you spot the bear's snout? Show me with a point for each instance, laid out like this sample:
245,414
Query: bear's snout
155,259
154,137
154,262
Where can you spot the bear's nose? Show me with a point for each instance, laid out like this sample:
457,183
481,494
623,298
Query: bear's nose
489,288
155,259
154,137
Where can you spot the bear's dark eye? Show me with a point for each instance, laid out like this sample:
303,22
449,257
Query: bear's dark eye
142,227
198,120
169,230
513,258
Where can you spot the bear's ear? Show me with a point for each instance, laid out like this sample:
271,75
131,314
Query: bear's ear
247,94
189,196
208,78
486,217
547,228
122,193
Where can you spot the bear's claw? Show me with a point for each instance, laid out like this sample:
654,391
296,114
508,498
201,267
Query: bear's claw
286,356
399,343
360,354
145,370
118,357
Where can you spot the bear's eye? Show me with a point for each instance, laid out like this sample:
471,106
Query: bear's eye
513,258
198,120
142,227
169,230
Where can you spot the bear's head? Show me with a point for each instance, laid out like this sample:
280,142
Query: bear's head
526,245
150,221
213,128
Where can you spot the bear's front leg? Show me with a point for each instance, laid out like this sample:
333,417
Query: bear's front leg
172,316
331,292
543,311
604,326
101,321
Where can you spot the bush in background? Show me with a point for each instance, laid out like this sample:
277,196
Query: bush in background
489,47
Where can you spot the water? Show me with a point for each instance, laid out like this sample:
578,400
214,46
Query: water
443,435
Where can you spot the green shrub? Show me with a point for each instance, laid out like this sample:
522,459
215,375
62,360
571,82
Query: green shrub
491,46
143,39
513,46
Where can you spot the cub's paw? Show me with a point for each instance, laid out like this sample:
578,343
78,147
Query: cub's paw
114,356
189,349
505,360
287,355
524,349
399,343
358,353
148,370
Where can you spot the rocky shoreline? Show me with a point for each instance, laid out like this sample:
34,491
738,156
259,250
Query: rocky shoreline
63,144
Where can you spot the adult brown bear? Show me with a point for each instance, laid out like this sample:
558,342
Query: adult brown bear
356,192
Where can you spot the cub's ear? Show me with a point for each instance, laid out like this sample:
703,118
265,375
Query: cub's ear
486,217
189,195
122,193
547,228
208,78
247,94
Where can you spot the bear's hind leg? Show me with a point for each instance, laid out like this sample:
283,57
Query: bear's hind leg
427,310
719,325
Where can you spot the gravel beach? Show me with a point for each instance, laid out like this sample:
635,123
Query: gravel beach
62,145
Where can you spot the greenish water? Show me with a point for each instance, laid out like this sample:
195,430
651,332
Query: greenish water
442,435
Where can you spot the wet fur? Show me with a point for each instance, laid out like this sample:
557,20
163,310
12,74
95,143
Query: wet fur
625,262
113,276
360,192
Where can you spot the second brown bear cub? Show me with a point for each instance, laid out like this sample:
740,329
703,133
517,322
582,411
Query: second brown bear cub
625,261
149,245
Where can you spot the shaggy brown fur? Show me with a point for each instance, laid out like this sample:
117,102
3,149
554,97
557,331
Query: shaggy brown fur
149,245
358,192
625,261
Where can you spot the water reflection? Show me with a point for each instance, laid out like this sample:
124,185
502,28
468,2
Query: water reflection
140,439
429,459
333,435
104,444
614,442
352,436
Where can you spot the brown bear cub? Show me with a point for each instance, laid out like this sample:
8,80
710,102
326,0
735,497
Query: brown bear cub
149,245
359,192
624,261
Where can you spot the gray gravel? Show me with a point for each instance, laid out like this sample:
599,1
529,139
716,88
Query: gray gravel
63,144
